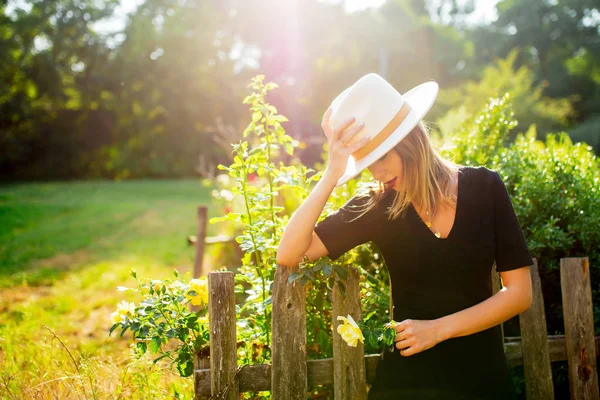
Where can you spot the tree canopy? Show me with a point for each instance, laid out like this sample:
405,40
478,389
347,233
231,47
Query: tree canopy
162,96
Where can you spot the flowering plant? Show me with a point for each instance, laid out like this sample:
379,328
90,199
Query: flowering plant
376,337
163,316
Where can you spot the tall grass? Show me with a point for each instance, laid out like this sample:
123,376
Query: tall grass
64,248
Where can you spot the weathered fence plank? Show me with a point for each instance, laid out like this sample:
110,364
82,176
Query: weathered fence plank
254,378
556,346
200,238
534,340
221,314
349,378
288,353
579,328
201,363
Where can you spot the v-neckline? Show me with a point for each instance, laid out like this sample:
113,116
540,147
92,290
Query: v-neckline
456,211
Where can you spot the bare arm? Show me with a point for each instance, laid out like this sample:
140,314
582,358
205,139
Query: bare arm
299,238
514,298
299,234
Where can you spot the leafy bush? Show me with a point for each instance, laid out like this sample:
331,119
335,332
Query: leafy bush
554,187
162,317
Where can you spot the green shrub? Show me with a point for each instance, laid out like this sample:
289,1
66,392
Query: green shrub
554,186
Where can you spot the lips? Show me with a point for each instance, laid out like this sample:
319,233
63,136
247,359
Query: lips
391,182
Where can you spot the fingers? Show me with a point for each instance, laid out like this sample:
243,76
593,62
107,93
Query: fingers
342,127
402,336
347,137
402,344
335,134
359,144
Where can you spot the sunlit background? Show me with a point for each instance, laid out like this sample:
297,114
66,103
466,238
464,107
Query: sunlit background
113,114
147,85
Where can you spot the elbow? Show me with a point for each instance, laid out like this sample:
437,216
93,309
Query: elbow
283,258
286,262
527,301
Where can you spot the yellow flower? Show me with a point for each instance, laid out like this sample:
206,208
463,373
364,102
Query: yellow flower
350,331
200,286
124,309
156,285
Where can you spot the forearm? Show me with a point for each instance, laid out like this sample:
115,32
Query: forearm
493,311
297,235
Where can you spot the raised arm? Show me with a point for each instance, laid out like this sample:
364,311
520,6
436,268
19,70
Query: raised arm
299,238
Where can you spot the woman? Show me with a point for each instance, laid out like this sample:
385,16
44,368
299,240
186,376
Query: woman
439,226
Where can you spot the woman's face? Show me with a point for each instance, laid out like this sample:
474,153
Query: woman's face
388,169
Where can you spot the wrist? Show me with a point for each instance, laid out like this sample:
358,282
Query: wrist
444,328
329,179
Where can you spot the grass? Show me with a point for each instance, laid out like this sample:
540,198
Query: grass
64,248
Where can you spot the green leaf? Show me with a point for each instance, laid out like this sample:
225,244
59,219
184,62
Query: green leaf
160,358
171,333
142,347
341,272
289,148
279,118
185,368
123,331
155,345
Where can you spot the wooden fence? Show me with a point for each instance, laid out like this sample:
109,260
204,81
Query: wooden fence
290,374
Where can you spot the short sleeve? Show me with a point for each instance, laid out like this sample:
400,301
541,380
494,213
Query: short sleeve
344,229
511,247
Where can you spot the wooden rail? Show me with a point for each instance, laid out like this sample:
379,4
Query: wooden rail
254,378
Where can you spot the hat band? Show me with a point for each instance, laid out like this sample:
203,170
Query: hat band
383,134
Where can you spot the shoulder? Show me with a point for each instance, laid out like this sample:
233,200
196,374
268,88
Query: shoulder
367,203
481,176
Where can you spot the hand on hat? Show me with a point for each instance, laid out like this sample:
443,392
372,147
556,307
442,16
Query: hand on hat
338,139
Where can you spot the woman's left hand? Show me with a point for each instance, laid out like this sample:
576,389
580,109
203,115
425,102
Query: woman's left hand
414,336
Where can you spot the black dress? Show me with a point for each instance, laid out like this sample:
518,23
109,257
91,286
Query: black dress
433,277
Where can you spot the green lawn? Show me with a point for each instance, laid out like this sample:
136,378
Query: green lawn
64,248
92,221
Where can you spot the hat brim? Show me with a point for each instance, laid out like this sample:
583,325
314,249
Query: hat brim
420,99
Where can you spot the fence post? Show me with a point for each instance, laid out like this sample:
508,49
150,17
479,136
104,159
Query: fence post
534,344
349,373
579,327
200,238
221,314
289,377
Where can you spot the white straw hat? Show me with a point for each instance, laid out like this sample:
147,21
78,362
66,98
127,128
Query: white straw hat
388,117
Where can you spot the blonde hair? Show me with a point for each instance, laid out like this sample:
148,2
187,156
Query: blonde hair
426,177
